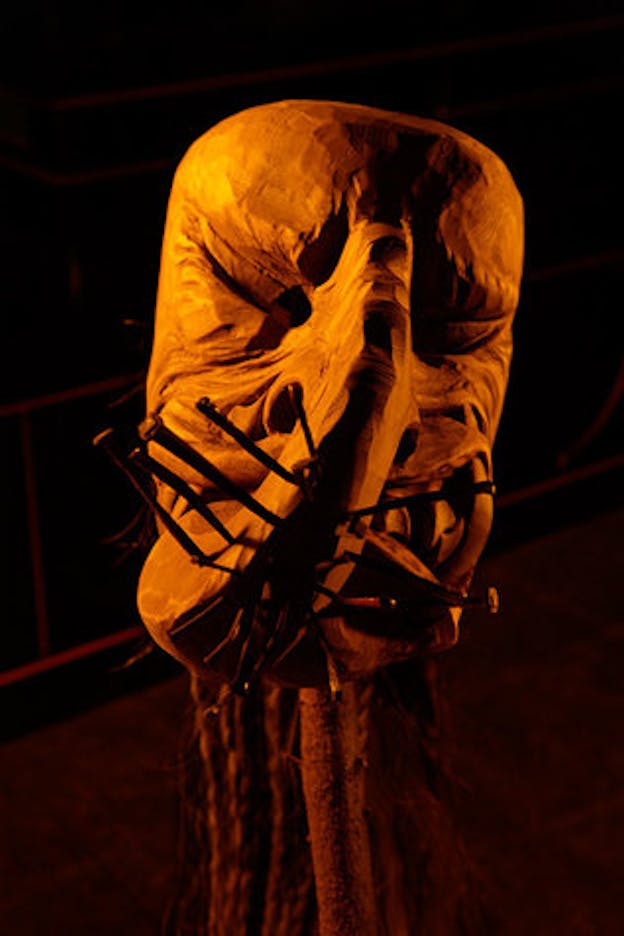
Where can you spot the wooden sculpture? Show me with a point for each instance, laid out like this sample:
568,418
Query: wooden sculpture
332,343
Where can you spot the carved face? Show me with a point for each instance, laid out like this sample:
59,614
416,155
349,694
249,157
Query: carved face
363,267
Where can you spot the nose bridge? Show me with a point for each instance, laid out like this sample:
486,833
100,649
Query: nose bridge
386,318
371,281
353,360
372,323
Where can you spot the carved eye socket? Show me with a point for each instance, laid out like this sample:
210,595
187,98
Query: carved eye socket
318,259
295,306
290,310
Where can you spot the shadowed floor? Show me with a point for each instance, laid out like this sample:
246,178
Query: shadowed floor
88,806
538,707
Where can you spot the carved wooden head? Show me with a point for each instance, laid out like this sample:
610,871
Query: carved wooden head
339,283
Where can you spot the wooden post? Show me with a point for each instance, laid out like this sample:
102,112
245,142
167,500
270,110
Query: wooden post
332,751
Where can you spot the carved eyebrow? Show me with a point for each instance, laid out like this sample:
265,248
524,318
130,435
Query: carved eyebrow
275,283
227,280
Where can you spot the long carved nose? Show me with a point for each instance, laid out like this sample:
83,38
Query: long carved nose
360,449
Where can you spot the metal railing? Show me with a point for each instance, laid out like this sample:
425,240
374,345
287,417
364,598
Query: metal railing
24,410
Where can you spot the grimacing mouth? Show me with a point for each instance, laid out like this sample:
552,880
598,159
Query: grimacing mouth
400,588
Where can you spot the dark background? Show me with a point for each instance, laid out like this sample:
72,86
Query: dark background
98,103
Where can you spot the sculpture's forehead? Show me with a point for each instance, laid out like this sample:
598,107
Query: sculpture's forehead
266,201
333,135
289,162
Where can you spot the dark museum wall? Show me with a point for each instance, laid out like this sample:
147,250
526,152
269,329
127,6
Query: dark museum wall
97,105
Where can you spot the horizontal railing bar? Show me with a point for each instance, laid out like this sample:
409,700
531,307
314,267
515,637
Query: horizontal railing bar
54,660
86,176
20,407
575,265
346,63
547,485
536,96
443,112
469,44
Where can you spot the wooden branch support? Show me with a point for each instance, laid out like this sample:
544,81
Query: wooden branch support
332,751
